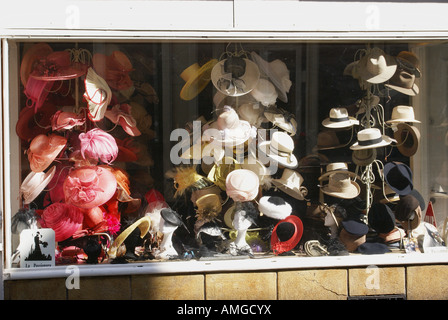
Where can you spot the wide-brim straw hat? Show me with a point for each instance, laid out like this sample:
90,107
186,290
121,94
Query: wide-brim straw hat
339,118
376,66
371,138
341,186
408,139
280,149
337,167
196,79
35,183
291,183
402,114
225,82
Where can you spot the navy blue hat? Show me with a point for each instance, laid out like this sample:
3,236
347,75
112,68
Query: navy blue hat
373,248
399,177
356,228
381,218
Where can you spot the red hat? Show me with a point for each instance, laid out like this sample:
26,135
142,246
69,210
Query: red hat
89,186
63,218
286,234
31,123
31,57
44,149
58,66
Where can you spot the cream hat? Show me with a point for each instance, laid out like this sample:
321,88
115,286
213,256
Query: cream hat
334,167
291,184
274,207
242,185
265,93
376,66
252,113
282,119
402,114
341,186
280,149
34,184
371,138
339,119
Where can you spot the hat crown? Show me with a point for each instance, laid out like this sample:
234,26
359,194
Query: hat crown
403,112
228,119
336,166
292,178
369,134
339,182
282,142
374,61
338,113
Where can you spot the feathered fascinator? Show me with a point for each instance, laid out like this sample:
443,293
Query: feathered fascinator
25,218
209,207
186,178
98,144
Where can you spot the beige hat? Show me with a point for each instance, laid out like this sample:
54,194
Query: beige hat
291,184
34,184
339,119
371,138
341,186
408,139
282,119
280,149
376,66
264,92
334,167
402,114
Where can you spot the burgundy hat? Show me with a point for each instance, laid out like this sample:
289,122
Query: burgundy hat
65,219
286,234
58,66
31,123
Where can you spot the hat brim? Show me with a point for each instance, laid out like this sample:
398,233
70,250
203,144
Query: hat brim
408,139
36,52
408,91
294,192
385,142
47,177
291,243
351,192
265,145
198,82
342,124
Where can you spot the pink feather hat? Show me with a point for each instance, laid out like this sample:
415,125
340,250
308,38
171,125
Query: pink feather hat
98,144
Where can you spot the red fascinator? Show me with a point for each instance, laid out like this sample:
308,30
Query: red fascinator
286,234
63,218
89,187
98,144
43,150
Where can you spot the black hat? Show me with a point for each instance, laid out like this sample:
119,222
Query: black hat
354,227
381,218
172,217
373,248
399,177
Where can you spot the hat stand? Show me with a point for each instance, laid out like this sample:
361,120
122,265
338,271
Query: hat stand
82,56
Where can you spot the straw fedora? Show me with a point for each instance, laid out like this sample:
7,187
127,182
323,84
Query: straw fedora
371,138
277,72
196,79
264,92
404,82
34,184
44,149
376,66
291,183
399,177
98,95
242,185
339,118
364,157
235,76
334,167
402,114
31,57
341,186
408,139
282,119
286,234
274,207
280,149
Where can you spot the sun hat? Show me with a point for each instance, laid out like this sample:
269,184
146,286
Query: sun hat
89,186
399,177
242,185
282,119
376,66
408,139
277,72
44,149
114,69
371,138
381,218
408,212
402,114
66,120
403,82
196,79
235,76
280,149
363,157
57,65
98,145
286,234
121,114
31,57
341,186
274,207
98,95
65,219
334,167
291,183
339,118
30,123
264,92
409,61
35,183
37,92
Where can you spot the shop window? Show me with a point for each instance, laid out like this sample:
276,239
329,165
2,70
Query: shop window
149,152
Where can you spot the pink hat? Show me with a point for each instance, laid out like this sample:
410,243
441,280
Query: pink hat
90,186
34,184
31,123
58,66
63,120
44,149
31,57
63,218
98,144
121,114
37,91
114,69
242,185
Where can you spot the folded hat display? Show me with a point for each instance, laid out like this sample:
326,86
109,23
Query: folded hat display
66,120
122,114
286,234
339,118
371,138
196,78
280,150
291,183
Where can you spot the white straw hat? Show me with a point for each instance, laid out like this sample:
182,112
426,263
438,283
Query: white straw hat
280,149
339,118
371,138
402,114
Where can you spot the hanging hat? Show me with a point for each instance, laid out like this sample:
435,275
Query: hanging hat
208,207
34,184
353,234
98,145
328,140
65,120
242,185
121,114
65,219
252,113
196,79
114,69
408,212
235,76
286,234
341,186
30,123
44,149
280,149
364,157
31,57
221,169
334,167
98,95
381,218
339,119
399,177
409,61
265,93
89,187
376,66
371,138
408,139
57,65
291,184
402,114
404,82
282,119
277,72
37,92
274,207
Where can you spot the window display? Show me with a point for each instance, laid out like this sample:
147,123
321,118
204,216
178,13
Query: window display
148,152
